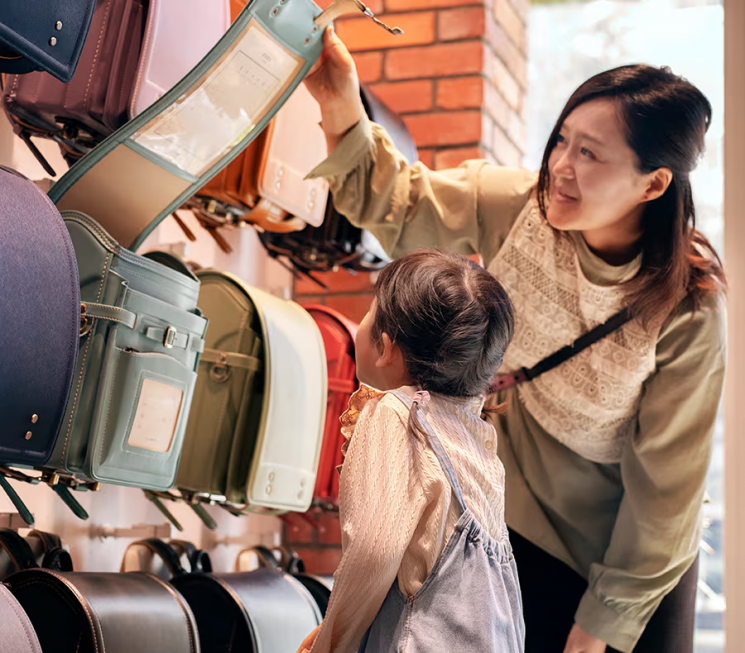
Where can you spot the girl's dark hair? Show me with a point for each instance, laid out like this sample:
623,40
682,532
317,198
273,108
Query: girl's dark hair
451,318
666,119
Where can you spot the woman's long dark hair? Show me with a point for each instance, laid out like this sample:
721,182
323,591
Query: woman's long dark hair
450,317
666,119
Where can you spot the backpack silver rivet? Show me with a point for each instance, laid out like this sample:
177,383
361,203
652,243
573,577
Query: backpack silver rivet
268,489
58,25
53,41
29,435
34,419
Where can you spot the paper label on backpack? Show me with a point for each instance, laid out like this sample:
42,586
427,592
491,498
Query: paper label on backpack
156,417
226,105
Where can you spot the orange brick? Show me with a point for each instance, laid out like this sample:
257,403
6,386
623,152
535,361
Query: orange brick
406,5
461,23
427,157
461,92
442,60
511,21
345,281
369,66
505,150
363,34
331,533
354,307
446,128
298,530
406,97
452,158
320,560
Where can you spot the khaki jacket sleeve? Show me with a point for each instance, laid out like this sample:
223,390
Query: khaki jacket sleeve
664,469
469,209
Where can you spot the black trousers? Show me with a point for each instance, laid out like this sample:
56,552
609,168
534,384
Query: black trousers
552,591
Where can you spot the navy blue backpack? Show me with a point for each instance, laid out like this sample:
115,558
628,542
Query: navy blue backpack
39,322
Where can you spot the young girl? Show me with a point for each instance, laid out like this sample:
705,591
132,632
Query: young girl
427,565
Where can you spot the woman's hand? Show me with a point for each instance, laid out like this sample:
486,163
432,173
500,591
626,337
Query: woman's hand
580,641
333,82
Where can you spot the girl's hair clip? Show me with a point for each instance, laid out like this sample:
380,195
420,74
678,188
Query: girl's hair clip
422,398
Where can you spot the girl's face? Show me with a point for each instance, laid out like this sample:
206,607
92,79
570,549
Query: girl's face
595,185
380,365
366,352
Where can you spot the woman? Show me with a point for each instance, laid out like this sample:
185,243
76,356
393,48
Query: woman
606,456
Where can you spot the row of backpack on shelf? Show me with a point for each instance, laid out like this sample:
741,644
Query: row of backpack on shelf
136,50
109,372
137,391
165,599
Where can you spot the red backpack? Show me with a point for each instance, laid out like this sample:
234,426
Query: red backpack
339,334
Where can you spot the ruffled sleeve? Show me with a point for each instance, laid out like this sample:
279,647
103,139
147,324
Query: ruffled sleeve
351,416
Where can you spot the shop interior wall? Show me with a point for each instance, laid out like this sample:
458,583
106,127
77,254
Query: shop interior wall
123,508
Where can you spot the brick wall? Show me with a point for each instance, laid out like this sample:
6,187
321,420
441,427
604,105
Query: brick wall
458,78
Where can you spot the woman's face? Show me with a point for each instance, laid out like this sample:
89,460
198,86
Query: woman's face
595,184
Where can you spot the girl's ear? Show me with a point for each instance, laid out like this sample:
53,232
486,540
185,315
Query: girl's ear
387,352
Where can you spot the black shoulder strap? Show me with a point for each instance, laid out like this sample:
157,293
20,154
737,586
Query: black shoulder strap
55,557
199,560
164,552
19,551
564,354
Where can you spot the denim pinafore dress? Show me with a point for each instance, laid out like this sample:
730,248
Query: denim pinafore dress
470,602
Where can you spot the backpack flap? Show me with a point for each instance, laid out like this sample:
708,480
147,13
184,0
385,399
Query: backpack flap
179,33
39,320
288,444
138,357
228,398
44,35
339,334
282,181
262,611
96,612
19,635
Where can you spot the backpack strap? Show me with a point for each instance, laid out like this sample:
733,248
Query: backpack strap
163,551
18,549
55,557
